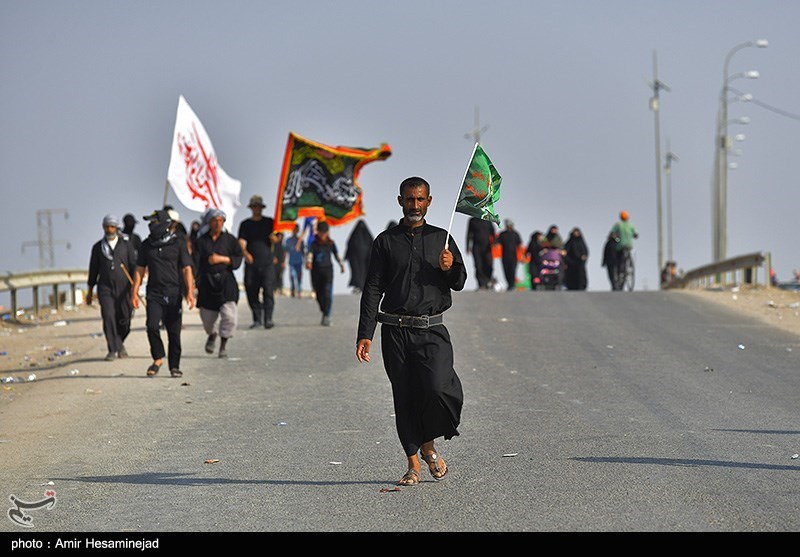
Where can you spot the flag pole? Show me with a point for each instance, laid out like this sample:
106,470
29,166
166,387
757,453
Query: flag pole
450,226
166,193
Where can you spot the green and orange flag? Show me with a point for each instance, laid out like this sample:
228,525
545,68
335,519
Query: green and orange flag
480,189
321,181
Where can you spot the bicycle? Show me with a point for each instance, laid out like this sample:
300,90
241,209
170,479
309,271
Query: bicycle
626,274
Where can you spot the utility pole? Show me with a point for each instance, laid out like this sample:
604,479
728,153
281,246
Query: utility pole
475,133
44,225
654,106
670,156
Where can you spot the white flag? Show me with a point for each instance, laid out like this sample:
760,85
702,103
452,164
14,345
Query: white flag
194,173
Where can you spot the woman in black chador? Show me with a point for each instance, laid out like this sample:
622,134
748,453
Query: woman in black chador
359,245
577,254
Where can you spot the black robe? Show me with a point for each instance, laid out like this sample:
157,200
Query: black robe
404,278
577,253
359,245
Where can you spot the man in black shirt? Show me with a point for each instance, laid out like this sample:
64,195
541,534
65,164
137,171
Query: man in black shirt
112,261
256,237
168,265
413,267
219,254
480,237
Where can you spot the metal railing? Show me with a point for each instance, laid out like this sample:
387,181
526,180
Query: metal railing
13,282
736,270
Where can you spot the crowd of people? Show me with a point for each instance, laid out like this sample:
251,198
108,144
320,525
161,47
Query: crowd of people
550,263
198,265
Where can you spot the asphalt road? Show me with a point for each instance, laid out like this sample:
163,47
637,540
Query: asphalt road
584,412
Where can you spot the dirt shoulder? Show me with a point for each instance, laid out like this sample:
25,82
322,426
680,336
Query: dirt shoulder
777,307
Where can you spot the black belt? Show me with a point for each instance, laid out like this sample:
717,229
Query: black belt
413,321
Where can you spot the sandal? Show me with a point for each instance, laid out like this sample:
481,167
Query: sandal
153,369
176,372
433,461
410,478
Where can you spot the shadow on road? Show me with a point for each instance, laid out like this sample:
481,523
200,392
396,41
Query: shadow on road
688,462
187,479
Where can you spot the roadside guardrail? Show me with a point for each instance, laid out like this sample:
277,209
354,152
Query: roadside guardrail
736,270
13,282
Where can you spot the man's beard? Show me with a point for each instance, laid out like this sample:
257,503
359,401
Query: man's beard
414,217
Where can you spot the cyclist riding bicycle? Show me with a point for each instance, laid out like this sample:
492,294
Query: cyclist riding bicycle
624,233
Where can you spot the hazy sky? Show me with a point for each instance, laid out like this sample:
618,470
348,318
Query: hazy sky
89,92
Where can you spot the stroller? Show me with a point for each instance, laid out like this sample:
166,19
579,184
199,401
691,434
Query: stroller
550,270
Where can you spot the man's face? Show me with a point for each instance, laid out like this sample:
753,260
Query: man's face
216,224
110,230
257,210
415,202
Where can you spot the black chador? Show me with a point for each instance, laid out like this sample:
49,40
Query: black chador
405,280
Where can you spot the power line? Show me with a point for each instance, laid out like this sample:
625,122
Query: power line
769,107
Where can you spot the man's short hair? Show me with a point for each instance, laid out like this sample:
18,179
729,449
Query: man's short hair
413,182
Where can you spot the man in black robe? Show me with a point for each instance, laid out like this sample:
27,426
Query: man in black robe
356,254
111,264
480,237
510,241
413,267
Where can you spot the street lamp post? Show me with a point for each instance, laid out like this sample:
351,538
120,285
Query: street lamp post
723,144
655,107
670,156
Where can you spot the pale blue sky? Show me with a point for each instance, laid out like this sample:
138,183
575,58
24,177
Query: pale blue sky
89,92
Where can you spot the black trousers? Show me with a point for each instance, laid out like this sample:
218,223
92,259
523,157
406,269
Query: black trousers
116,313
259,284
510,270
168,310
322,282
484,265
427,392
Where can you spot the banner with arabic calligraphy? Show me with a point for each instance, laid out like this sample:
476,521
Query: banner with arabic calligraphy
322,181
194,174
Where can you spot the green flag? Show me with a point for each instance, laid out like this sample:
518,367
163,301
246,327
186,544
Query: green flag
481,188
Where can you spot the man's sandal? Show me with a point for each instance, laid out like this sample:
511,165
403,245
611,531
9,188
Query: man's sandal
410,478
152,370
433,462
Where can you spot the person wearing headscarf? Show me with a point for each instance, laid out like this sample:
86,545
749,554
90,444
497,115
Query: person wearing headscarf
359,246
534,257
165,259
576,255
610,259
510,241
554,237
111,263
129,222
219,255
